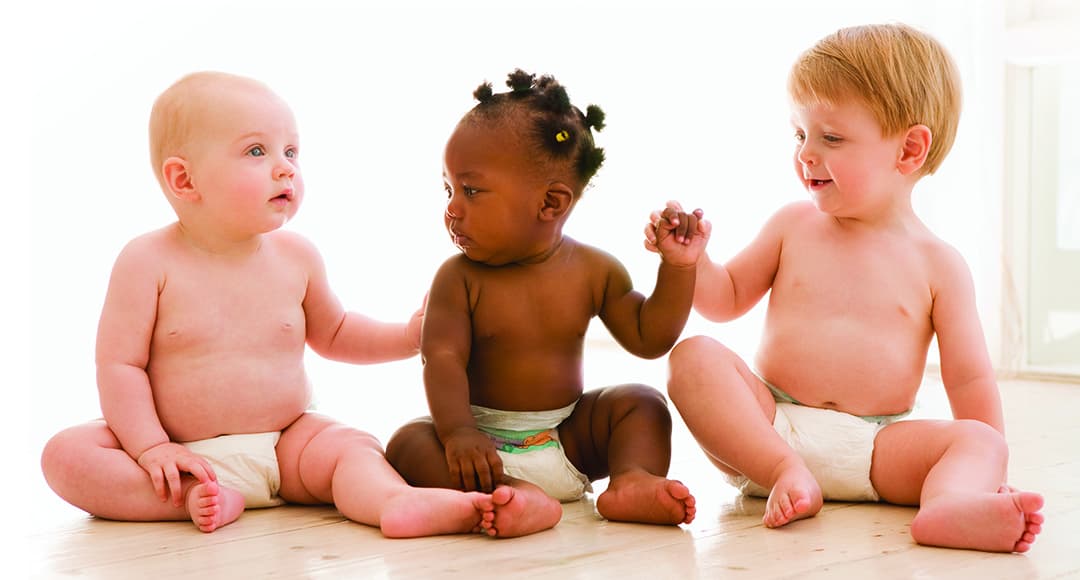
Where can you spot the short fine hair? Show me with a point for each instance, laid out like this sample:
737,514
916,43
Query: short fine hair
178,111
904,76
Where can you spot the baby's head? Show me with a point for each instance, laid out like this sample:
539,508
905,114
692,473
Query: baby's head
555,134
220,136
903,76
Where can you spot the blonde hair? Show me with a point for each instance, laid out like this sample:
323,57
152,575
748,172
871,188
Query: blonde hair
180,109
904,76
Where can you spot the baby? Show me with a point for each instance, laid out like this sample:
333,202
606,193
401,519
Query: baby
858,286
201,344
505,325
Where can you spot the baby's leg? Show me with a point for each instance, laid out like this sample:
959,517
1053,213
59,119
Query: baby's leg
87,467
521,508
625,432
322,461
730,413
954,470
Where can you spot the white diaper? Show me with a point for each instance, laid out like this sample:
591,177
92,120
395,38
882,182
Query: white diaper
836,447
528,443
246,463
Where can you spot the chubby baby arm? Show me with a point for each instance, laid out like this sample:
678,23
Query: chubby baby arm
123,347
446,346
341,335
966,370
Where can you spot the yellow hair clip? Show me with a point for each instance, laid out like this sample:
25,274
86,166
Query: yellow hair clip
562,136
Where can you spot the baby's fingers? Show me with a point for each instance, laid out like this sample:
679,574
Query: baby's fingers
157,479
650,238
172,477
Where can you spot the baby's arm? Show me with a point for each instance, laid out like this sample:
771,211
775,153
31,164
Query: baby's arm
965,364
340,335
447,340
123,349
724,292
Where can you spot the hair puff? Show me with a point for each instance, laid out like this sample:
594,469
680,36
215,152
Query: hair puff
483,93
520,81
594,117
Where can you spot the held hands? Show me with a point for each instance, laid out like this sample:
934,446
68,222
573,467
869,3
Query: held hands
679,237
472,460
166,461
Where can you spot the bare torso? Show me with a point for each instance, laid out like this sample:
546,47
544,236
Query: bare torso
528,327
228,343
848,324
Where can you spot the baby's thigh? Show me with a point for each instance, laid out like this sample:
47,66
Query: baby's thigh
702,371
634,415
309,451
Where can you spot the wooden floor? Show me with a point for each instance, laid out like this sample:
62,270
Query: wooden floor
726,540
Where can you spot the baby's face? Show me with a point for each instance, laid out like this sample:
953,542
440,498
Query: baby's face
244,161
494,195
842,158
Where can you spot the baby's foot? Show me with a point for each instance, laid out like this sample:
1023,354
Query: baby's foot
211,506
520,511
640,496
795,495
433,511
994,522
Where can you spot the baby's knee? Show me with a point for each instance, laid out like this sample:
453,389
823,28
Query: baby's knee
62,452
695,357
989,440
640,398
403,442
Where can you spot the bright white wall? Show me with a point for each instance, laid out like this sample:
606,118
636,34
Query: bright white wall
694,93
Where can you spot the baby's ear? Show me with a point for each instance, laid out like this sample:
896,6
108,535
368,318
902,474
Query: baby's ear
916,147
177,178
558,199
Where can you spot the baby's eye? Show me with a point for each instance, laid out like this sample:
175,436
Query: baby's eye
468,191
832,138
291,153
256,151
799,137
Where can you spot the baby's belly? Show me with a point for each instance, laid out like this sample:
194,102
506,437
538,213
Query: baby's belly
840,371
193,407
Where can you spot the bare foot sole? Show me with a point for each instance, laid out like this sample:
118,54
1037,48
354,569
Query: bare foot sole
433,511
794,496
642,497
992,522
520,511
211,506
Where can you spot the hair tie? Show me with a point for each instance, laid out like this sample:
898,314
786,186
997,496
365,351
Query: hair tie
562,136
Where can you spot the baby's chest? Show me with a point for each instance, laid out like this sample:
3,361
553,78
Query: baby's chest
856,284
551,306
230,314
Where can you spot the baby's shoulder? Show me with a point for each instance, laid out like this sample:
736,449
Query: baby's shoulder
156,245
943,261
792,216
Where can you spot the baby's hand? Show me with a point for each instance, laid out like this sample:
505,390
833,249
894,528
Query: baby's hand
166,461
472,460
679,237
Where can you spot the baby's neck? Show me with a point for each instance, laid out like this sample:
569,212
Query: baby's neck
557,247
216,244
